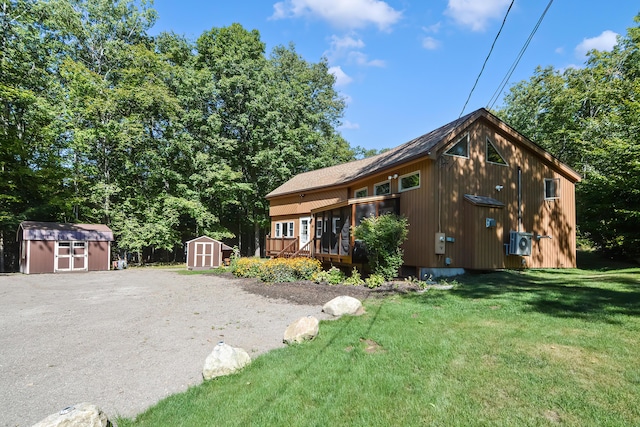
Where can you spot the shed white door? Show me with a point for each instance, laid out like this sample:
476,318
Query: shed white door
203,254
71,256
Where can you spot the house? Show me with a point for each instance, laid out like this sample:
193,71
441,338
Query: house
477,194
204,253
51,247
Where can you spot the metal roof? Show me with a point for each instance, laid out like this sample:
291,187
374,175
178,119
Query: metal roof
35,230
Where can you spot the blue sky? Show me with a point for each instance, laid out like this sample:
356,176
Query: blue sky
406,67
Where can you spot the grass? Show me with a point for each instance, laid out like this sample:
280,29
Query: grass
532,348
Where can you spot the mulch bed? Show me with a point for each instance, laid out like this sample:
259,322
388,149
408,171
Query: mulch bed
310,293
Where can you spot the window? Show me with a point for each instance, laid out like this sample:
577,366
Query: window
493,156
362,192
284,229
318,228
382,188
461,148
551,188
409,181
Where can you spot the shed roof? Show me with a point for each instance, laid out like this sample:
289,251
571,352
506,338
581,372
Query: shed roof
416,148
35,230
224,246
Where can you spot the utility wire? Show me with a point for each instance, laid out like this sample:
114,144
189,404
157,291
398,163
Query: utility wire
487,58
503,83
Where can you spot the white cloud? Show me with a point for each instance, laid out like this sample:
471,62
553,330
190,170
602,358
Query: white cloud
604,42
340,13
342,79
476,13
346,48
348,125
430,43
363,60
435,28
559,50
346,42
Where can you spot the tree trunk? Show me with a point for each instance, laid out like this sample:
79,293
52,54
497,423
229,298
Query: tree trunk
256,238
1,251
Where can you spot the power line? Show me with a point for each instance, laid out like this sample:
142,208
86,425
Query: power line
487,58
503,83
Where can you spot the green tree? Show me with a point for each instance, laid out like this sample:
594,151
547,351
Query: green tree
383,236
32,173
589,118
277,117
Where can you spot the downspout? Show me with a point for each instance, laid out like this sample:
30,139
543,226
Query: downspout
519,199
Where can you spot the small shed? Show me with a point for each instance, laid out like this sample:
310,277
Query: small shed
204,252
52,247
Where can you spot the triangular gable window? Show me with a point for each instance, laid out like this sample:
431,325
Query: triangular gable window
461,148
492,154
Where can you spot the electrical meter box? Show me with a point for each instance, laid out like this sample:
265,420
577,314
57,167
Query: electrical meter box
440,243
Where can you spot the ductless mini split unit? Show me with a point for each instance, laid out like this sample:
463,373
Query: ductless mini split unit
520,243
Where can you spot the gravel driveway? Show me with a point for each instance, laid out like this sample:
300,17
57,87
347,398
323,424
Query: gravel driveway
122,339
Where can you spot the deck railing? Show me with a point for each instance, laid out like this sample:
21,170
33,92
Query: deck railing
275,245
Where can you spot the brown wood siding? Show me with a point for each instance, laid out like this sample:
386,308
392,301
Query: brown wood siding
213,248
459,176
439,204
41,256
98,256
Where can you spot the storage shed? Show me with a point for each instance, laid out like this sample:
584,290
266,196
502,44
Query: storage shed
204,252
51,247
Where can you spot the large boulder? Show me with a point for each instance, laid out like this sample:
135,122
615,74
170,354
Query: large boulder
80,415
224,360
303,329
343,305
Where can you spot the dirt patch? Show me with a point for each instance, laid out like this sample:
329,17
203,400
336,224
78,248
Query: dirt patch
310,293
371,346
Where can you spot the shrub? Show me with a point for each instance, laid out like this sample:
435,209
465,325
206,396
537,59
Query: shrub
334,276
382,237
355,279
305,268
374,281
277,270
246,267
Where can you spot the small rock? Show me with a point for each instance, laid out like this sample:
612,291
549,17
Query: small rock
343,305
80,415
303,329
224,360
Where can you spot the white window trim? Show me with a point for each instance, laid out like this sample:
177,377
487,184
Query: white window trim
378,185
366,190
400,189
319,228
466,135
557,188
280,227
486,149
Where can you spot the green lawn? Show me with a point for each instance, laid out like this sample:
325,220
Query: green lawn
552,347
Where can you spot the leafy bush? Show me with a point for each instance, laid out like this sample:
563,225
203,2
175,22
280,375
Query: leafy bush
374,281
305,268
276,270
246,267
355,279
334,276
382,237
